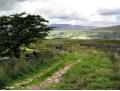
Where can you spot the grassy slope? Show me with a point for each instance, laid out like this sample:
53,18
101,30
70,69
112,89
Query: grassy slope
14,74
95,69
67,59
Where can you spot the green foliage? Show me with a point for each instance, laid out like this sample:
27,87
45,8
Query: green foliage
19,29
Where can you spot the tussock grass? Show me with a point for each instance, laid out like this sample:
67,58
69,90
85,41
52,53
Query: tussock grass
98,69
95,71
65,60
18,68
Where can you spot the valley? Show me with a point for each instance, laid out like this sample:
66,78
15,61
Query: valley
108,33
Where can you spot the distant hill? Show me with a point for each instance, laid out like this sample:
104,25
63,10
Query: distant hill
70,27
111,28
107,29
106,33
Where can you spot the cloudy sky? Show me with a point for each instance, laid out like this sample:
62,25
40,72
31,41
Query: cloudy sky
75,12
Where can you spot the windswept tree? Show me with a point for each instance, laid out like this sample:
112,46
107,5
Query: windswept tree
19,29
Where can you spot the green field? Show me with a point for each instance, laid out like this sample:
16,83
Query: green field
69,34
98,68
112,33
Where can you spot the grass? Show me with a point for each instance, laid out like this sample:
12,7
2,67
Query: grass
65,60
98,69
18,69
95,71
34,73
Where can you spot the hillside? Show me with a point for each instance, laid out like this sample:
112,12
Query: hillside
115,28
70,27
64,64
107,33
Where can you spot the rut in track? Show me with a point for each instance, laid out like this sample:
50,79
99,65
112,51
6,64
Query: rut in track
53,79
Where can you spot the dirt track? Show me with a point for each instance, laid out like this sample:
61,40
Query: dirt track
53,79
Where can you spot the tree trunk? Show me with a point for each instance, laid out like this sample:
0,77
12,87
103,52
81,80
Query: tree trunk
16,51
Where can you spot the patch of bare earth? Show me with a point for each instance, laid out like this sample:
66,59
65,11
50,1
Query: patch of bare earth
53,79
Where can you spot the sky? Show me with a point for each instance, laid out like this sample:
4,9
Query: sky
100,13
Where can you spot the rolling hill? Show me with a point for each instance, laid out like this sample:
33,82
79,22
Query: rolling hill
70,27
106,33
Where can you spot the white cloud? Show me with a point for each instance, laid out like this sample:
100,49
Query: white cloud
83,12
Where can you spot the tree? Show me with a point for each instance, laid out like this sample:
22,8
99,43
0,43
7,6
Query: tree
19,29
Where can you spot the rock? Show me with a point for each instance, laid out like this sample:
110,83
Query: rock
59,47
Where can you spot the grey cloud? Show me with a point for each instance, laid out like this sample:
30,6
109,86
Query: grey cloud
71,17
64,16
8,4
109,12
53,15
55,12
